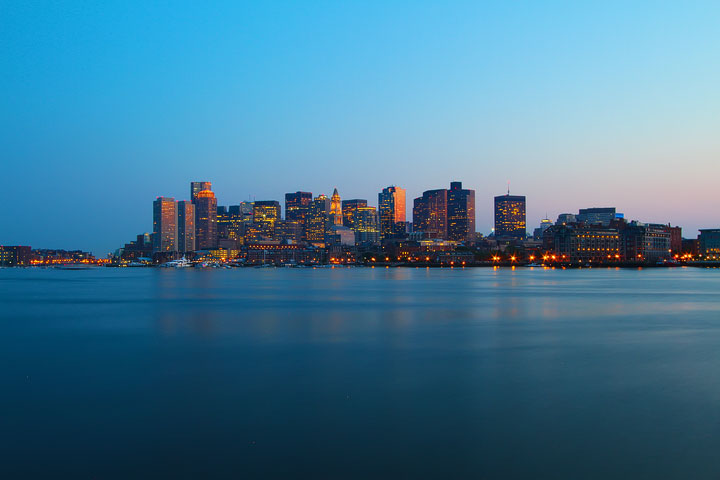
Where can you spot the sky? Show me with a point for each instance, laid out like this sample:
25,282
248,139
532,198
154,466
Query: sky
107,105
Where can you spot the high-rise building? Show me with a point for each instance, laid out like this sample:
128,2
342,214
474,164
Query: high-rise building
460,213
566,219
317,220
336,209
265,214
197,187
391,210
430,214
205,220
596,216
510,216
186,226
349,210
164,225
366,225
296,206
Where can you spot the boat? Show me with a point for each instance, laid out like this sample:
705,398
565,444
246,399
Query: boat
181,263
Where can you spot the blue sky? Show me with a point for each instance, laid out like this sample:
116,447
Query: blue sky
107,105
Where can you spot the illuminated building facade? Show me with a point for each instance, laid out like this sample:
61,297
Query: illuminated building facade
205,220
265,214
336,216
164,225
581,243
709,243
430,214
197,187
391,210
186,226
318,220
15,256
296,206
349,211
645,242
366,225
460,213
510,219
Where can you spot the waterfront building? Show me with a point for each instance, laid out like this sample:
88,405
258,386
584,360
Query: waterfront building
366,225
197,187
15,255
336,216
349,211
265,214
582,243
186,226
164,225
460,213
205,220
510,221
296,206
317,220
430,214
709,243
288,231
391,210
645,242
597,216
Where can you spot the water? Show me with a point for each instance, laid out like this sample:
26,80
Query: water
359,373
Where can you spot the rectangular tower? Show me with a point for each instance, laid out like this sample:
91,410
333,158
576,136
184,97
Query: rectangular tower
186,226
164,225
510,216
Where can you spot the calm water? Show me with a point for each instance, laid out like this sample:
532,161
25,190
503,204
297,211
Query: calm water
360,373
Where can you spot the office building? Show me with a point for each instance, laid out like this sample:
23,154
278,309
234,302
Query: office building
296,206
391,210
460,213
430,214
205,220
197,187
186,226
566,219
317,220
265,214
15,256
164,225
349,211
366,225
510,219
597,216
709,243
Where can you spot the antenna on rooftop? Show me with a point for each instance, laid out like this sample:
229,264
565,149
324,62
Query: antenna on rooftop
508,187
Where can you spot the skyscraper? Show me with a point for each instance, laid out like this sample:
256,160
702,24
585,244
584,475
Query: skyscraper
336,209
318,220
197,187
164,225
430,213
296,206
460,213
186,226
205,220
366,225
265,214
391,210
349,209
510,216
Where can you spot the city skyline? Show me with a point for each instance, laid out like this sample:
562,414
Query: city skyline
576,105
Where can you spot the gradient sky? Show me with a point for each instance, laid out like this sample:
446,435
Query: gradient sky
106,105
